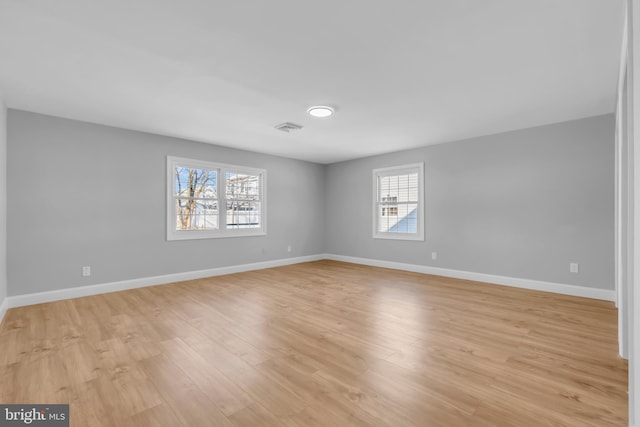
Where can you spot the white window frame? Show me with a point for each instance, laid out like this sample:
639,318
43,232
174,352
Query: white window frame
222,231
399,170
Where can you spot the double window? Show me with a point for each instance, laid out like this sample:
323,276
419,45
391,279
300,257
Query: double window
209,200
398,208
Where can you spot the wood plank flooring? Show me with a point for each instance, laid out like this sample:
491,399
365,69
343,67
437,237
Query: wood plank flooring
319,344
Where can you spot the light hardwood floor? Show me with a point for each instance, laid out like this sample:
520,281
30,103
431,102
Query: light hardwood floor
319,344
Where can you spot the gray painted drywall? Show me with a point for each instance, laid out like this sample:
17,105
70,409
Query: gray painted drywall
84,194
3,201
519,204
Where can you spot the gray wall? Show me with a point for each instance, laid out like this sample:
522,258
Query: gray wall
520,204
3,202
84,194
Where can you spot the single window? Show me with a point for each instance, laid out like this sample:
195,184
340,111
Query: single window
208,200
398,202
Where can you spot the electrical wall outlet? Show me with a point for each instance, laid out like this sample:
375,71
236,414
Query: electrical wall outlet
289,248
86,271
574,267
434,255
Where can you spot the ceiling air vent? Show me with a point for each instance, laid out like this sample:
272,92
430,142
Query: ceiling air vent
288,127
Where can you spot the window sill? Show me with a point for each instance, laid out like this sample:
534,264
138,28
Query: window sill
195,235
398,236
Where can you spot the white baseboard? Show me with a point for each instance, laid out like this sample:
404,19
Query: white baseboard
4,306
83,291
558,288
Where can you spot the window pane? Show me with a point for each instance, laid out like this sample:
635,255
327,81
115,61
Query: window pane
197,183
242,186
196,214
399,188
384,185
243,214
407,219
401,218
243,200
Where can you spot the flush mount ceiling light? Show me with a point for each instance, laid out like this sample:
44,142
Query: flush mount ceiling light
320,111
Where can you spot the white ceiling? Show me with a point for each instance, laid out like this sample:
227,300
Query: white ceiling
400,73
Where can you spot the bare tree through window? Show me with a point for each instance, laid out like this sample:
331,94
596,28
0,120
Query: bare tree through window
196,201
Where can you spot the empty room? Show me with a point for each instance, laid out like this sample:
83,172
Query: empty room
304,214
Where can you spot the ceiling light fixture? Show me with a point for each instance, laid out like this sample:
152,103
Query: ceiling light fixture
320,111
